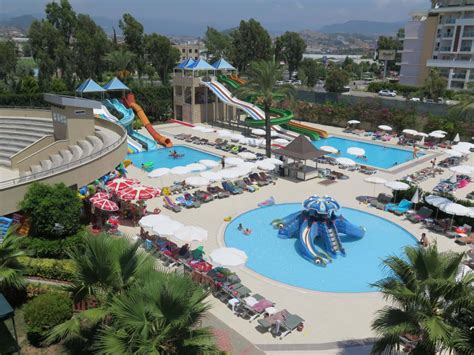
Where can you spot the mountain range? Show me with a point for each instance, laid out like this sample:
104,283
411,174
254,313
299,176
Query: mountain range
368,28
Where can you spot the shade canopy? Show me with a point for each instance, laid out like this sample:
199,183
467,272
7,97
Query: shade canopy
454,153
160,224
397,185
437,135
300,148
116,85
224,133
437,201
121,183
185,63
268,166
101,196
89,86
199,64
273,161
138,193
228,257
258,132
222,64
281,141
455,209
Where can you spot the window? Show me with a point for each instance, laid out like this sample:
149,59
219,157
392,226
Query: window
190,50
196,51
183,50
178,90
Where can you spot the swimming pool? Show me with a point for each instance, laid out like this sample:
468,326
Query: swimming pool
161,158
378,156
280,259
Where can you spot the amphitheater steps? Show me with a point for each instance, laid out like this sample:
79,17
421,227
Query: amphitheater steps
66,156
86,146
46,164
35,169
56,159
96,142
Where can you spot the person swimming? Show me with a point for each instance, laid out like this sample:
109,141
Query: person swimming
240,227
174,154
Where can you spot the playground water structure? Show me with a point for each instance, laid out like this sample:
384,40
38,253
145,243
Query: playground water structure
279,116
281,260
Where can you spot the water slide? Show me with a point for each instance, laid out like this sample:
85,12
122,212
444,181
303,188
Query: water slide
313,133
129,100
252,110
349,229
237,79
127,120
330,237
309,249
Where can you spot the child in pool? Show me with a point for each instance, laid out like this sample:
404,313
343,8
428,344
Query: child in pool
240,227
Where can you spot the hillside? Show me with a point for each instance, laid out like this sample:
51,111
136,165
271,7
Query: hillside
368,28
337,43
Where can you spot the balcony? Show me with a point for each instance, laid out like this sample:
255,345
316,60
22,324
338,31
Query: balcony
445,49
461,64
468,34
465,49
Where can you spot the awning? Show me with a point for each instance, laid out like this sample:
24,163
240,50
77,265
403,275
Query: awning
300,149
200,64
185,63
89,86
222,64
115,85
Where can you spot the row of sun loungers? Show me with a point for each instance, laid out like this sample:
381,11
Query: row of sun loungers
225,285
362,168
423,175
446,185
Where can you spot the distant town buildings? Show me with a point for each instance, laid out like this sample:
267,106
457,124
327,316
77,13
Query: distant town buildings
442,38
191,50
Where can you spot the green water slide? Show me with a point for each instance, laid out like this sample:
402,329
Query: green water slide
225,80
282,117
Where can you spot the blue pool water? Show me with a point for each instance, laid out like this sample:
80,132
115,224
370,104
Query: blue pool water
378,155
279,259
161,158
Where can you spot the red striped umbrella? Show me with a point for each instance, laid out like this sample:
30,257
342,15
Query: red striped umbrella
121,184
138,193
101,196
106,205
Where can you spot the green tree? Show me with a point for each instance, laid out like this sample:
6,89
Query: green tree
28,85
464,109
90,46
134,40
262,79
311,71
162,55
336,79
8,59
25,68
426,299
218,44
47,205
162,317
290,47
435,85
250,42
11,271
120,62
58,85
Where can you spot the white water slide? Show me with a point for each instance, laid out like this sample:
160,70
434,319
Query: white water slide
252,110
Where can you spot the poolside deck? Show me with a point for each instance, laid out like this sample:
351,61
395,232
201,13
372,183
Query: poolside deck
333,320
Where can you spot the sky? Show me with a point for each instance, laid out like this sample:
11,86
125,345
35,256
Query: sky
195,15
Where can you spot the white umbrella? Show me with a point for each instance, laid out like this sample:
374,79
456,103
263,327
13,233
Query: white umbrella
461,148
353,122
224,133
159,172
247,155
440,131
151,220
345,162
376,181
167,227
232,161
437,135
385,128
422,142
462,169
191,233
457,138
228,257
281,141
247,165
329,149
258,132
437,201
196,167
397,185
244,140
454,153
465,144
358,152
416,197
274,134
198,128
422,134
209,163
241,170
455,209
266,165
273,161
236,137
197,181
229,174
411,132
180,170
211,176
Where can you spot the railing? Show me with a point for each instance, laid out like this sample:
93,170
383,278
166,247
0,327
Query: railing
468,34
465,49
62,168
445,49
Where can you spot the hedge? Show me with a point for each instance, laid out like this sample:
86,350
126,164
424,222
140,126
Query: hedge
403,90
51,248
156,101
62,270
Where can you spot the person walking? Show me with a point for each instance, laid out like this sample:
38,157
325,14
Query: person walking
223,162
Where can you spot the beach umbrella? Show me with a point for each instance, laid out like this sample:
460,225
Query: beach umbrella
437,135
197,181
266,166
462,169
196,167
454,153
258,132
411,132
329,149
105,205
422,142
198,128
461,148
138,193
159,172
274,134
345,161
385,128
235,137
281,141
376,181
247,165
244,140
273,161
358,152
101,196
191,233
121,183
224,133
209,163
397,186
247,155
180,170
230,257
457,138
421,134
211,176
233,161
229,174
415,199
353,122
455,209
242,170
440,131
167,226
436,201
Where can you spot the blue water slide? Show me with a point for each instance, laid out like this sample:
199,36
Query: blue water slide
5,224
308,247
330,238
291,226
345,227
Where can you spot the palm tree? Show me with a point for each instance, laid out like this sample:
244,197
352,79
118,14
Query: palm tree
465,105
120,62
107,267
11,271
262,84
427,297
161,318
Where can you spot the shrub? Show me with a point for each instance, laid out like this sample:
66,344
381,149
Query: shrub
156,101
51,248
62,270
47,205
44,312
403,90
